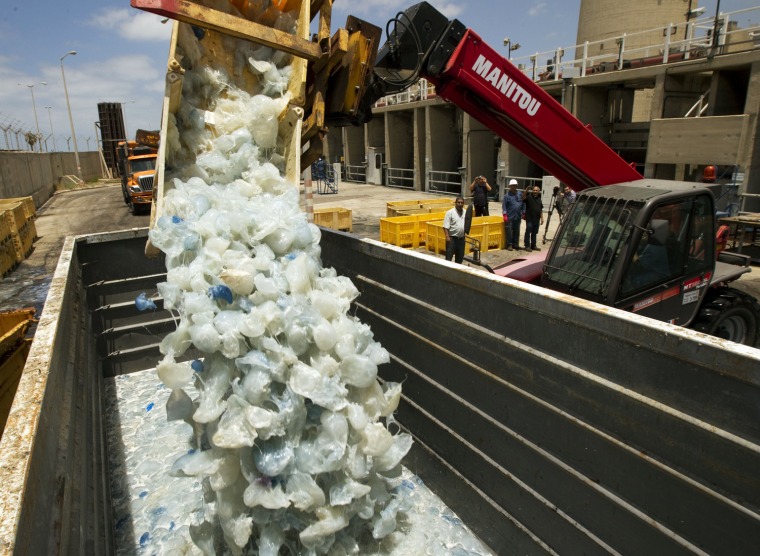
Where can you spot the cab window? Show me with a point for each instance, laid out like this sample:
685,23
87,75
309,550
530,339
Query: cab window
659,254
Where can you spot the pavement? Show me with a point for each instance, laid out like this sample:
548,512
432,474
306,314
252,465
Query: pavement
368,205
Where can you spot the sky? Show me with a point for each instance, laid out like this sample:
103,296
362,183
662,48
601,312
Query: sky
121,54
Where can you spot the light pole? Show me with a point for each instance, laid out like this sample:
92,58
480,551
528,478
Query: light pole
692,14
34,107
124,117
510,47
52,133
716,30
71,120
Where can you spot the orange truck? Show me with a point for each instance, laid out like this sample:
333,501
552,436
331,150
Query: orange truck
137,166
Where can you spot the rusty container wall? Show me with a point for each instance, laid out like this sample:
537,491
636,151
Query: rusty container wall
559,424
53,467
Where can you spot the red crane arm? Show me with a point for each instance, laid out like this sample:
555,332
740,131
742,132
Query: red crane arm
492,90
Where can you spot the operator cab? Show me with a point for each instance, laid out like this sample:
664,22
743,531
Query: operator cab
645,246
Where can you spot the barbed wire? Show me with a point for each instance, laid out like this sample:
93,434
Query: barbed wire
15,135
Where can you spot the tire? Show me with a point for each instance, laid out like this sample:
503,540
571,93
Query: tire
729,314
133,208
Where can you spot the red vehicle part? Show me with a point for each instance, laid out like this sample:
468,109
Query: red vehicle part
491,89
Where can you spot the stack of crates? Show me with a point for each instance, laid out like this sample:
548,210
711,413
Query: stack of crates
336,218
408,231
30,210
7,248
17,231
489,230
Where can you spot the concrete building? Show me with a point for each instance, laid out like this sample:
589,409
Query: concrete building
681,94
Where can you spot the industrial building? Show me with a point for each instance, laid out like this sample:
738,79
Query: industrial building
668,87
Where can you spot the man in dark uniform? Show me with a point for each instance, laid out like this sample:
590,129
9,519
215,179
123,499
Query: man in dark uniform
533,211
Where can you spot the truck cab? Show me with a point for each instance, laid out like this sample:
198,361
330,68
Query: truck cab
137,165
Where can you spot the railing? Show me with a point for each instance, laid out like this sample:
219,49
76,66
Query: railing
522,182
422,90
698,42
355,173
400,177
699,107
449,183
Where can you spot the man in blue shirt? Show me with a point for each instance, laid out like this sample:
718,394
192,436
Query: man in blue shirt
511,207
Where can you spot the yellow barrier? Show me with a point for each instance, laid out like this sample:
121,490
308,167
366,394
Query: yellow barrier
418,206
337,218
407,231
489,230
30,209
22,230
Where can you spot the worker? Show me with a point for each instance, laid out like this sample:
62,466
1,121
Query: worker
533,213
453,227
649,265
479,189
565,198
511,206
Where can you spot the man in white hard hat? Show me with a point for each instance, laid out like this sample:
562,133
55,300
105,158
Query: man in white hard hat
511,209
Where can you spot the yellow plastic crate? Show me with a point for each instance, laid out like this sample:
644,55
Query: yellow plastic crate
8,260
32,229
407,231
337,218
417,206
30,208
22,241
492,232
489,230
21,233
14,213
6,225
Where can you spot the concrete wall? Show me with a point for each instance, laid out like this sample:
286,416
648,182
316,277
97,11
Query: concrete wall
599,19
719,139
752,146
421,153
443,138
399,143
26,174
481,151
354,141
376,131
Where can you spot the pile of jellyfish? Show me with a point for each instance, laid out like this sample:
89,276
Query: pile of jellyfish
295,435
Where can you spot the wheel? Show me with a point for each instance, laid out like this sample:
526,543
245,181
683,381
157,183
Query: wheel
729,314
125,194
133,208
